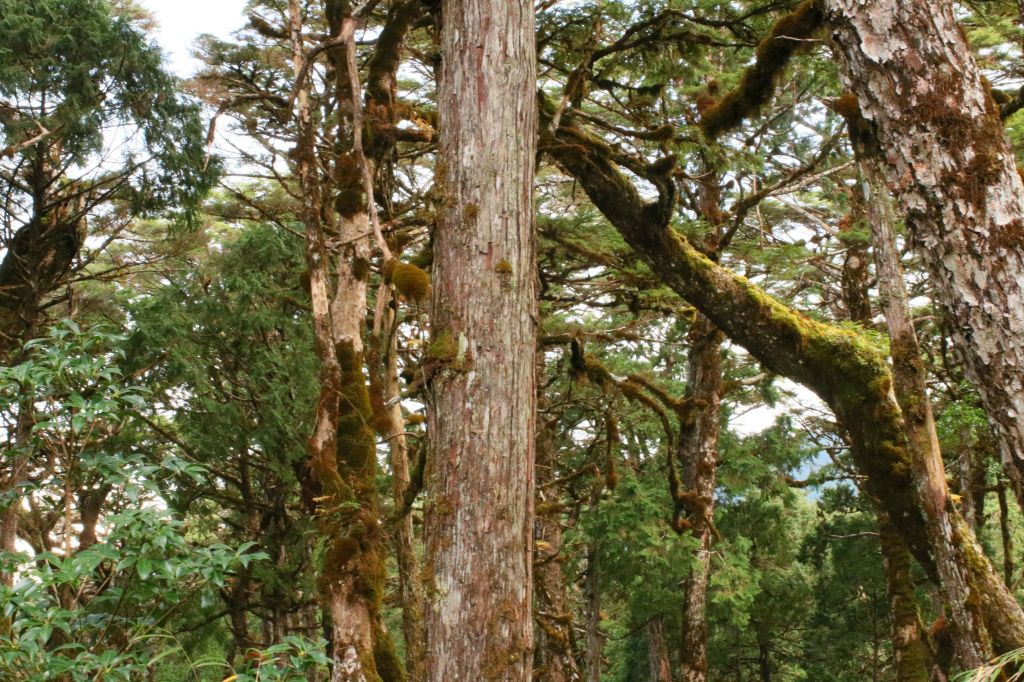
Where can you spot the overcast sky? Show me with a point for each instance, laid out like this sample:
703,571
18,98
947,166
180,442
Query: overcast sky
181,21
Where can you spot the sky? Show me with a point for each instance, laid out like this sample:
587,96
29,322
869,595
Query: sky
181,21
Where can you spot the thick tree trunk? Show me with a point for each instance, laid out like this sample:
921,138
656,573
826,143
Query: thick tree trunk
840,366
698,456
479,517
928,116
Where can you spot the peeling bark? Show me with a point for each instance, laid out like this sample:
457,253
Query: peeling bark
481,409
933,124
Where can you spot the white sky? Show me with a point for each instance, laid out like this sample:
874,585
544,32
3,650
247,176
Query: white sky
181,22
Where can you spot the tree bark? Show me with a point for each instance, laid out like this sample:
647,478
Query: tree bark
698,456
554,655
595,639
909,638
659,668
342,448
479,515
927,115
385,391
954,543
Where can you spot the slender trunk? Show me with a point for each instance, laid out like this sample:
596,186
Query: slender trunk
698,455
764,661
595,639
479,517
40,254
342,448
953,543
554,656
384,389
926,113
659,668
1004,532
16,475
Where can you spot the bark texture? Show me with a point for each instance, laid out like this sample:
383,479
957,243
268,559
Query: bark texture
953,541
342,448
479,516
909,641
929,118
554,659
658,667
698,455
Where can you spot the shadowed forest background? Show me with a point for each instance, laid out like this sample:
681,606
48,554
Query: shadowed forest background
577,340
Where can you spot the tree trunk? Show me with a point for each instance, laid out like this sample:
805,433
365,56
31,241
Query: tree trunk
698,456
840,366
595,639
343,447
659,668
929,118
909,642
479,517
953,542
384,390
554,659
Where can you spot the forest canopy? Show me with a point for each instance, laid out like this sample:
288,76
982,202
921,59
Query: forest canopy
432,340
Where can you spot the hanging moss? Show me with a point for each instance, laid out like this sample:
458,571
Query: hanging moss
787,37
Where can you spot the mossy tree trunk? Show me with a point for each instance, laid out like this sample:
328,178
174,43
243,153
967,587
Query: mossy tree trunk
698,456
384,385
343,446
910,647
840,366
951,534
381,91
481,406
927,114
909,638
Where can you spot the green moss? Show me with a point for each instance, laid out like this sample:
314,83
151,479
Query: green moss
411,281
361,268
444,347
348,178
